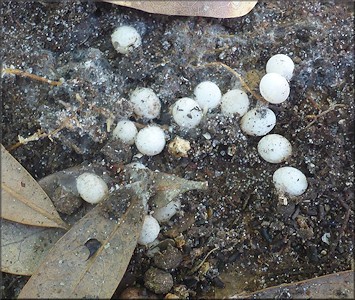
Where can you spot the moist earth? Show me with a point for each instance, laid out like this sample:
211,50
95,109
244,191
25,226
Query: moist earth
240,235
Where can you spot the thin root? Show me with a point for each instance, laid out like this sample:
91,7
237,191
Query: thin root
323,113
236,74
37,135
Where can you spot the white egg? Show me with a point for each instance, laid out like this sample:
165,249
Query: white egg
235,101
290,180
91,187
150,140
150,230
146,103
274,88
125,39
126,131
280,64
274,148
164,213
208,95
187,113
258,121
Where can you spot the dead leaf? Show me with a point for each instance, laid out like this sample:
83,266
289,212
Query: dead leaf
168,186
333,286
23,200
23,247
214,9
68,271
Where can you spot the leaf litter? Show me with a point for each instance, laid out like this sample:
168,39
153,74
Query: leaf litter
91,258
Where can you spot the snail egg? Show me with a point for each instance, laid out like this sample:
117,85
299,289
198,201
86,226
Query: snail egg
274,88
280,64
125,131
235,101
187,113
274,148
146,103
150,230
91,187
164,213
208,95
125,38
258,121
150,140
290,180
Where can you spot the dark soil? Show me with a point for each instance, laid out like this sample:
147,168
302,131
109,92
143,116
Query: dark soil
259,238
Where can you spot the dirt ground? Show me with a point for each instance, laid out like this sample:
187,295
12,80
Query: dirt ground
258,238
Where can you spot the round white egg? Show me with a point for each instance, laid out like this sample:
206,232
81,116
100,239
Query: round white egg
150,230
163,214
150,140
235,101
187,113
280,64
274,148
274,88
91,187
207,95
125,39
290,180
258,121
146,103
125,131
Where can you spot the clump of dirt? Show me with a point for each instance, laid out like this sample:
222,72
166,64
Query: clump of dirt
240,235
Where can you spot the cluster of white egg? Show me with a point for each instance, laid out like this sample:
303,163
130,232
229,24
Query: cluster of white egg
151,139
274,148
188,112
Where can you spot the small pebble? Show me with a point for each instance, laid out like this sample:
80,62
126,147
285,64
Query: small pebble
168,259
158,281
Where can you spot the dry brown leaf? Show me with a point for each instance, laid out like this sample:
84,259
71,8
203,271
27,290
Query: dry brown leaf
23,247
214,9
22,198
333,286
70,271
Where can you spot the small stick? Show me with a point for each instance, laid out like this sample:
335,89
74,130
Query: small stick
29,75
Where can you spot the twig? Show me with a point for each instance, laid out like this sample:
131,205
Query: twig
193,270
29,75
